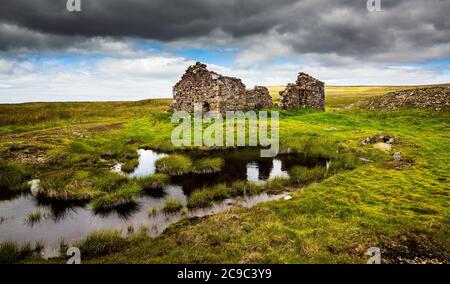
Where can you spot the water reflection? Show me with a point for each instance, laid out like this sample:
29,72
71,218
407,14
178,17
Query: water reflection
72,221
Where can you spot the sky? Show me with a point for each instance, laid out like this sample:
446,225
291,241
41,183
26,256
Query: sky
138,49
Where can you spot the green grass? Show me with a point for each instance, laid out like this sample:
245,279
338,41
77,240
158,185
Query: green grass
384,203
207,165
34,217
13,177
155,181
172,206
206,196
130,165
11,252
174,164
152,212
101,243
77,186
301,175
124,194
104,190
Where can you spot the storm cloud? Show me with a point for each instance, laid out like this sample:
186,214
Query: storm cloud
340,31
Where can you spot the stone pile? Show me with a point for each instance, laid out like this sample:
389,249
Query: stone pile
435,98
306,92
215,92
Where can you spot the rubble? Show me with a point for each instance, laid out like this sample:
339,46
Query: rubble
435,98
379,138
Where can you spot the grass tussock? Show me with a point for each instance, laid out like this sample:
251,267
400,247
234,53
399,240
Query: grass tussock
278,185
174,164
104,189
172,206
68,188
155,181
102,243
207,196
207,165
152,212
34,218
13,177
344,162
125,194
302,175
11,252
129,166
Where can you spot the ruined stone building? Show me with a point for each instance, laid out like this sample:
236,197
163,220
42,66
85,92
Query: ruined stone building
215,92
306,92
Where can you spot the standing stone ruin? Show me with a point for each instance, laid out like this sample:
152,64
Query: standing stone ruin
306,92
215,92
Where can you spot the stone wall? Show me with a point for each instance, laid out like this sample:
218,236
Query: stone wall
215,92
258,98
306,92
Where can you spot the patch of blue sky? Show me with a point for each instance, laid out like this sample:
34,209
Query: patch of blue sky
441,65
49,63
146,45
282,60
223,56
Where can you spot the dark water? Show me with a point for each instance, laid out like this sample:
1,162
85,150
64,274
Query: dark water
72,222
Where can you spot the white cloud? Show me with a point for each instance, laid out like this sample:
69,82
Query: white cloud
154,76
154,67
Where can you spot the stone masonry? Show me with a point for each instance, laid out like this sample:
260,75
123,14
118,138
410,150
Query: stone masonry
258,98
215,92
306,92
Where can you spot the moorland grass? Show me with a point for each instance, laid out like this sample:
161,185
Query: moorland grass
300,176
155,181
174,164
74,187
172,206
333,221
104,190
205,197
152,212
102,243
207,165
13,177
124,194
11,252
34,218
130,165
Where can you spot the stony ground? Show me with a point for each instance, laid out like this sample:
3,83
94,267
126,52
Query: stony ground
435,98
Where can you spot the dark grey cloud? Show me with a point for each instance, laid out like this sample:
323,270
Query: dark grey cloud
404,31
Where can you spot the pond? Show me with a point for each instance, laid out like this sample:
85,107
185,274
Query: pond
76,221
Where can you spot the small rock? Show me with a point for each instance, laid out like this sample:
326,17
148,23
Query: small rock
365,161
397,156
391,141
383,147
34,186
80,135
287,197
